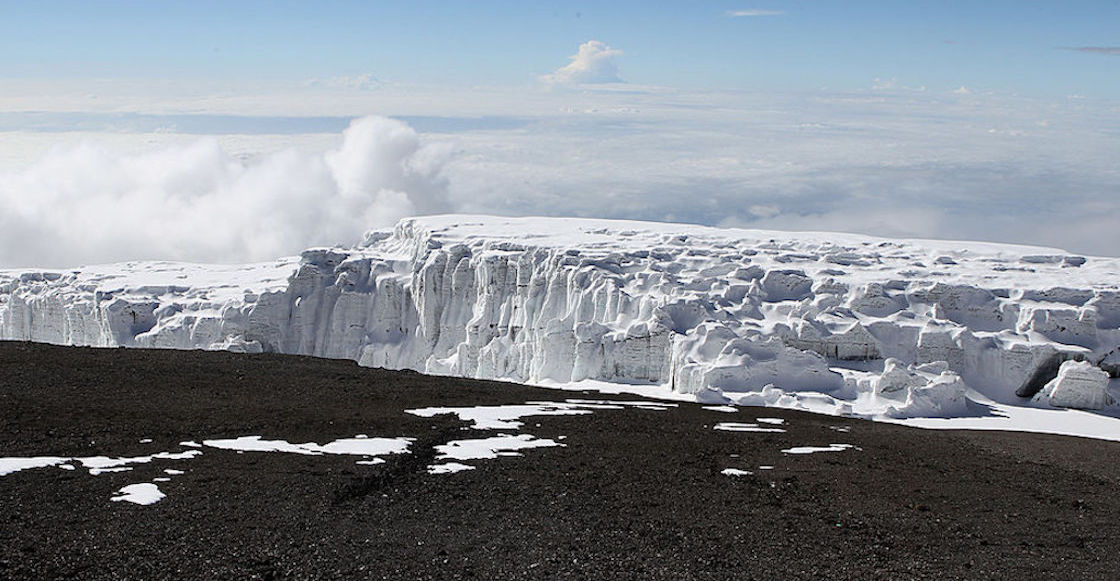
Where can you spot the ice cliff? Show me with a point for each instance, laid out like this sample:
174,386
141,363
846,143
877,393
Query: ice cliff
834,322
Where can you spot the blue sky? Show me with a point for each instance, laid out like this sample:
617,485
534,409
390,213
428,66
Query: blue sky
1015,47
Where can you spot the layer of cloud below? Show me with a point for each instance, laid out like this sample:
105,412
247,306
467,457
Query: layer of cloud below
951,166
958,166
85,204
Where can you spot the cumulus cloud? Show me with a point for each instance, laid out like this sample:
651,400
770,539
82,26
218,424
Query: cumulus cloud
594,63
196,202
1105,50
747,13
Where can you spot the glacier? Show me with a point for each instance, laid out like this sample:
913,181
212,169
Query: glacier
839,323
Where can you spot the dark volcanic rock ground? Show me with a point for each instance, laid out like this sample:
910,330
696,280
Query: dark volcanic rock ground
634,494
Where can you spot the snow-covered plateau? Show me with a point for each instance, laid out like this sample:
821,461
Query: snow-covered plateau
836,323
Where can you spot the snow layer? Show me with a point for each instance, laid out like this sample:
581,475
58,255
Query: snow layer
835,323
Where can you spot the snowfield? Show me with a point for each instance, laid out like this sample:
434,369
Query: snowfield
933,333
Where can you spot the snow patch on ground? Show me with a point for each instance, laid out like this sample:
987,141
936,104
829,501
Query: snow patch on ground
490,448
95,464
505,417
102,464
741,427
347,446
815,449
11,465
142,494
448,468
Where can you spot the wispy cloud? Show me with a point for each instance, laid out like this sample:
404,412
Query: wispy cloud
891,84
1109,50
745,13
362,82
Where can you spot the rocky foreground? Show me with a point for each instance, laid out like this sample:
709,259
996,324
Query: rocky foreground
633,492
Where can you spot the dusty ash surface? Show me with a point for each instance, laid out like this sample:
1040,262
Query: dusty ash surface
634,494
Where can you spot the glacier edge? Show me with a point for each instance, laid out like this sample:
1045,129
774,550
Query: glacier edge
840,323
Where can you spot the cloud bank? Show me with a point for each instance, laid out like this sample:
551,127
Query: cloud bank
891,163
948,164
594,63
83,204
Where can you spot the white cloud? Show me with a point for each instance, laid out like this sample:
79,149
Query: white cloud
83,204
891,84
362,82
594,63
747,13
898,163
902,164
884,84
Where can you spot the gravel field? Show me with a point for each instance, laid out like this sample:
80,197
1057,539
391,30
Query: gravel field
629,492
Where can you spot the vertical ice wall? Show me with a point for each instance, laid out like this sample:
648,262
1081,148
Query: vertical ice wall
744,315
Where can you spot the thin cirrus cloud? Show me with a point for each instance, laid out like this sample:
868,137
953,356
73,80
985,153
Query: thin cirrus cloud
748,13
1106,50
593,63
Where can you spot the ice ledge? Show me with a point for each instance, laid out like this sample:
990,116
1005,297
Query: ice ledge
833,322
